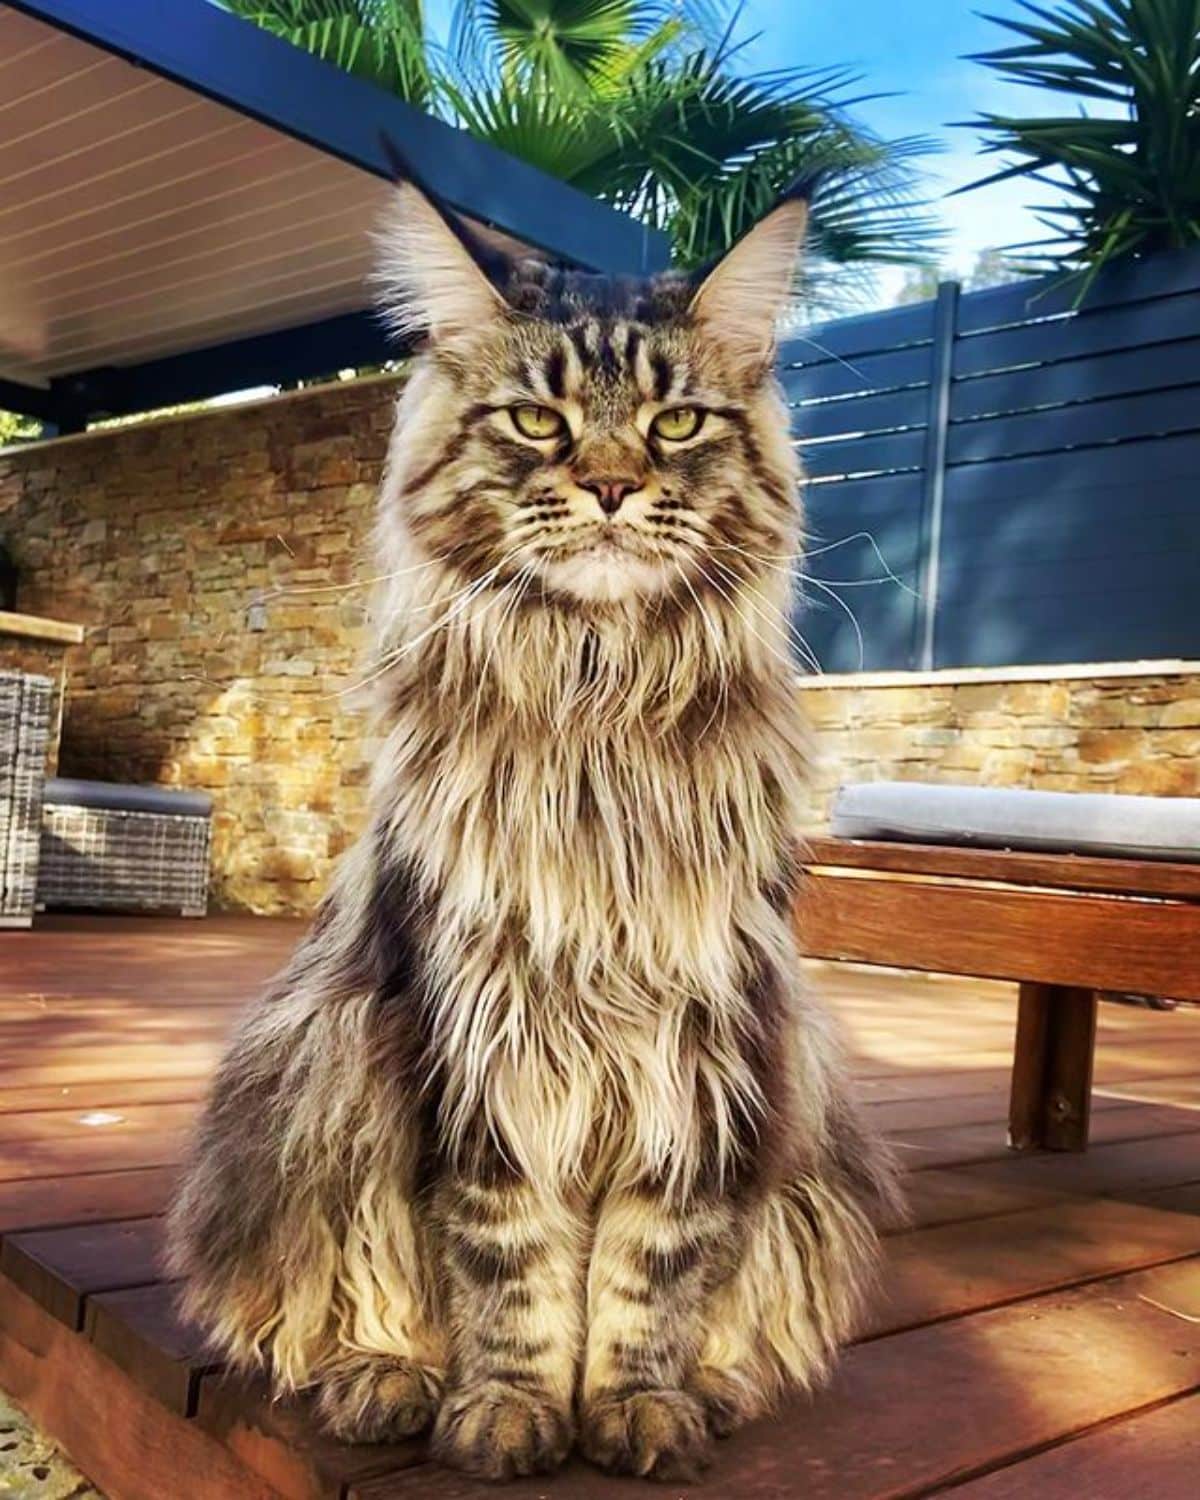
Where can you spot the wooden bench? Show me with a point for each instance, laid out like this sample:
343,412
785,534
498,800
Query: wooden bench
1065,927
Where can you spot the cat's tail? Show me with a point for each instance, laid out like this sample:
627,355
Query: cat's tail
809,1263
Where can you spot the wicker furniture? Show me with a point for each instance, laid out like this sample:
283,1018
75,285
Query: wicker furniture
25,704
132,848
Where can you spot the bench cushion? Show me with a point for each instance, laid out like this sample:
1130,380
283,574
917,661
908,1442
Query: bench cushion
1097,823
69,791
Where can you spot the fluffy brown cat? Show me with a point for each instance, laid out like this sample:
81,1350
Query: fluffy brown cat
539,1137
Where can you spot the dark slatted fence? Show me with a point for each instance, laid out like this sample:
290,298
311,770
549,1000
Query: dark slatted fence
1028,472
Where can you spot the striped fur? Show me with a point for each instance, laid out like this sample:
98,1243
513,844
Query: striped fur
540,1135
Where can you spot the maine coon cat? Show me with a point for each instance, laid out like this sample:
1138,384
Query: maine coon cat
539,1137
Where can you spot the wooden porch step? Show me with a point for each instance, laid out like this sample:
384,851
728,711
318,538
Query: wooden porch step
954,1303
61,1268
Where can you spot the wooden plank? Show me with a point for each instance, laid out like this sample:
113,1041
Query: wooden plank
38,628
867,455
1120,1169
866,334
1014,1379
24,1161
900,1117
107,1094
1131,327
878,413
952,1269
944,1146
111,1124
1151,1455
941,1196
1146,877
1087,424
51,1202
130,1446
141,1331
1149,466
281,1442
891,370
59,1268
1117,374
1049,296
1097,942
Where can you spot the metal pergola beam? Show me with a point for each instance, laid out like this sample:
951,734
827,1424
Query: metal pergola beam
237,64
205,49
275,358
29,401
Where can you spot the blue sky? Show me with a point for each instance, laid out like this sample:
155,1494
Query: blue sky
915,51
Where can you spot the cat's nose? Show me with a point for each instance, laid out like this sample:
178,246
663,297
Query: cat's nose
611,493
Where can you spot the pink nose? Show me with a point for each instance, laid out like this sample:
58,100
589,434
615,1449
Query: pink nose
610,492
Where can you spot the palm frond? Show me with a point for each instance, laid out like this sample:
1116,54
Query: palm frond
1133,178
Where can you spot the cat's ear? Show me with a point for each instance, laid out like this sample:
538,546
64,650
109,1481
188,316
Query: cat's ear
739,300
435,275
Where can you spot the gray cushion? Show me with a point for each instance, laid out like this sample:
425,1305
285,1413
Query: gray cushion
68,791
1100,823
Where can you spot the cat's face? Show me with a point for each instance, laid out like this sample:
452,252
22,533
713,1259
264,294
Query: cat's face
611,440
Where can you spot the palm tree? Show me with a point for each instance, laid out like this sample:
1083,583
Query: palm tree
1131,173
644,105
383,41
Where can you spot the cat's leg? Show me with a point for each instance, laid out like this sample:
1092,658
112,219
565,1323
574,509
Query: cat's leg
513,1264
652,1264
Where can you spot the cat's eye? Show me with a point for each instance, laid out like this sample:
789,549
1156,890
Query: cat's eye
677,423
537,422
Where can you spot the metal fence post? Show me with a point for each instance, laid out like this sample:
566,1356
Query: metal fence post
933,499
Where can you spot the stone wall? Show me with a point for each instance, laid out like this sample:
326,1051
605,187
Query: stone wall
1102,729
158,538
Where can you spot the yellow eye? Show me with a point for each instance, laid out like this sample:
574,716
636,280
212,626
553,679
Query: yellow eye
678,423
536,421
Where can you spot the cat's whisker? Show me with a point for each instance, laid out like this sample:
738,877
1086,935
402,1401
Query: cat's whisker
850,615
772,616
732,600
518,586
722,701
806,554
288,591
394,657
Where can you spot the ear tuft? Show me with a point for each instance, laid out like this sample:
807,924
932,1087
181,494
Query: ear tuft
741,299
430,280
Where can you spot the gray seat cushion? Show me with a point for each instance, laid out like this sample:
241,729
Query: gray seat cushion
1099,823
115,796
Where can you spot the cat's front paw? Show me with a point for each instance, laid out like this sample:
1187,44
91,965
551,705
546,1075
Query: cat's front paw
378,1399
491,1430
657,1434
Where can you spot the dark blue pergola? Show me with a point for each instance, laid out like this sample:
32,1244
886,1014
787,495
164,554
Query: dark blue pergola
211,53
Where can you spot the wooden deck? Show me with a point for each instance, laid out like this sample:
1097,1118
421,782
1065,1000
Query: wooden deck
1038,1332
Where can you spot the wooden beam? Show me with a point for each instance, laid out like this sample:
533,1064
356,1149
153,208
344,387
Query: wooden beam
1123,877
1050,1103
1077,939
130,1446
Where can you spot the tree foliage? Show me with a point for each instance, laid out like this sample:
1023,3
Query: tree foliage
1127,157
645,106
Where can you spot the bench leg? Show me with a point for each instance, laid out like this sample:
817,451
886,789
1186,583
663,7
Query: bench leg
1052,1068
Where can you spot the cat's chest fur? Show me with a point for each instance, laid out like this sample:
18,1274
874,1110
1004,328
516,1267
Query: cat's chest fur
598,904
622,849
